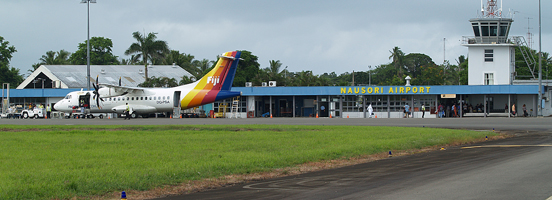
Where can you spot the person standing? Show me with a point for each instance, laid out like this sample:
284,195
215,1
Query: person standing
514,109
524,111
423,110
407,110
441,111
48,110
127,112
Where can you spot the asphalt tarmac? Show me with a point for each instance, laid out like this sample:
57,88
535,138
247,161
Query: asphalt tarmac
519,123
513,168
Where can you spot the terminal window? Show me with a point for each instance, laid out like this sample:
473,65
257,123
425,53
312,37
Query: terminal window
489,80
488,55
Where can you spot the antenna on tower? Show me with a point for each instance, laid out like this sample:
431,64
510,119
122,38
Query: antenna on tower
492,9
529,34
482,9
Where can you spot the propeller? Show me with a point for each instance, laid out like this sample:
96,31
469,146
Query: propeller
96,93
119,81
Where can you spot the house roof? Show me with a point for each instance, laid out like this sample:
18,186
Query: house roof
74,76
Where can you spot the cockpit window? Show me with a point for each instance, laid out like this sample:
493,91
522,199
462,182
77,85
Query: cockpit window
68,97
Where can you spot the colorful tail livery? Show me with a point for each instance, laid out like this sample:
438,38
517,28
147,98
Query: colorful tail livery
216,84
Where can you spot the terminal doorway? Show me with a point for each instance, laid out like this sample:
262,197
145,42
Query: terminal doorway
323,109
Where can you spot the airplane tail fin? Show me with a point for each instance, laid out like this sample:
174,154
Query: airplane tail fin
222,75
216,84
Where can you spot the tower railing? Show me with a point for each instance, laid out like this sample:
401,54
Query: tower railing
486,40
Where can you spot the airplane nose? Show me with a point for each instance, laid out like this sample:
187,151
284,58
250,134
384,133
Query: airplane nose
56,106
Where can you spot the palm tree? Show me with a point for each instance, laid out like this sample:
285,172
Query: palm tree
397,55
202,67
147,48
274,69
52,58
185,61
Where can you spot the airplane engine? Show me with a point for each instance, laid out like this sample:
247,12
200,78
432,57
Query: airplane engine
110,92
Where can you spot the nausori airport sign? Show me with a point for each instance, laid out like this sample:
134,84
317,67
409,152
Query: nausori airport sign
386,90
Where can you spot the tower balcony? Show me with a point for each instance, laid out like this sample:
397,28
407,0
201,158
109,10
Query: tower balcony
487,40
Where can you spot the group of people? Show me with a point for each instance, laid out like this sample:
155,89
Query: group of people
408,113
13,113
452,110
513,111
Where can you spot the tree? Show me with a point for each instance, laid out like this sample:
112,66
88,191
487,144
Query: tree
203,67
386,75
430,74
8,74
53,58
463,67
159,82
100,53
247,70
147,47
181,59
397,55
274,69
414,61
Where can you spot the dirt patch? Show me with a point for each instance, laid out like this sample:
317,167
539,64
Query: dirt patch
230,180
21,130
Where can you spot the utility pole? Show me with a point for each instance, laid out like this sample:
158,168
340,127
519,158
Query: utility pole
444,50
370,75
353,78
539,109
88,43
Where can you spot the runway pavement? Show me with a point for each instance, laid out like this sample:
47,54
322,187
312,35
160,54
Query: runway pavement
456,173
536,124
514,168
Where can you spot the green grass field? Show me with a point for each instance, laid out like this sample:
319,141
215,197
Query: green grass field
62,162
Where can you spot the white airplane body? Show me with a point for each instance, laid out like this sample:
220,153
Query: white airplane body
214,86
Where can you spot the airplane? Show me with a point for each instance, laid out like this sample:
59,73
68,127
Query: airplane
109,98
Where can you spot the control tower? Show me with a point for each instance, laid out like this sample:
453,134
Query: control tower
491,55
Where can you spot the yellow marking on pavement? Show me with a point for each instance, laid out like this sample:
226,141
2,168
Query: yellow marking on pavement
507,146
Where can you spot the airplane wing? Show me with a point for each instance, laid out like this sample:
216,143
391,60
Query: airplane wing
122,89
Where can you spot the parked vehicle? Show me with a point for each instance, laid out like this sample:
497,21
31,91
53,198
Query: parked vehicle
33,113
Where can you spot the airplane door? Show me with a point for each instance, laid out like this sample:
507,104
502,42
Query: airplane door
84,100
176,99
176,104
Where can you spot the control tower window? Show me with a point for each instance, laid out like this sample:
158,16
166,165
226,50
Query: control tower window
488,55
476,31
494,30
485,30
503,30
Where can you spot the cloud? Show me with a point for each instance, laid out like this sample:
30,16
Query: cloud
322,36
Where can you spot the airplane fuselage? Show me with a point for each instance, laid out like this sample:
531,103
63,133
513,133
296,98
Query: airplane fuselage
214,86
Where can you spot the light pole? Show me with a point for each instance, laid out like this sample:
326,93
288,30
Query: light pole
370,75
88,43
539,109
285,76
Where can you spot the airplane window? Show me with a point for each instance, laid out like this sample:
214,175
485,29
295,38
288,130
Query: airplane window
128,98
141,98
168,97
132,98
149,98
163,98
118,99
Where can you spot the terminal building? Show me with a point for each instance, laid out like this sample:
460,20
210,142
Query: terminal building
492,84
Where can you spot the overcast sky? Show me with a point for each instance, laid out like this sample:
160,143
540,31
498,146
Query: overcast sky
317,35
